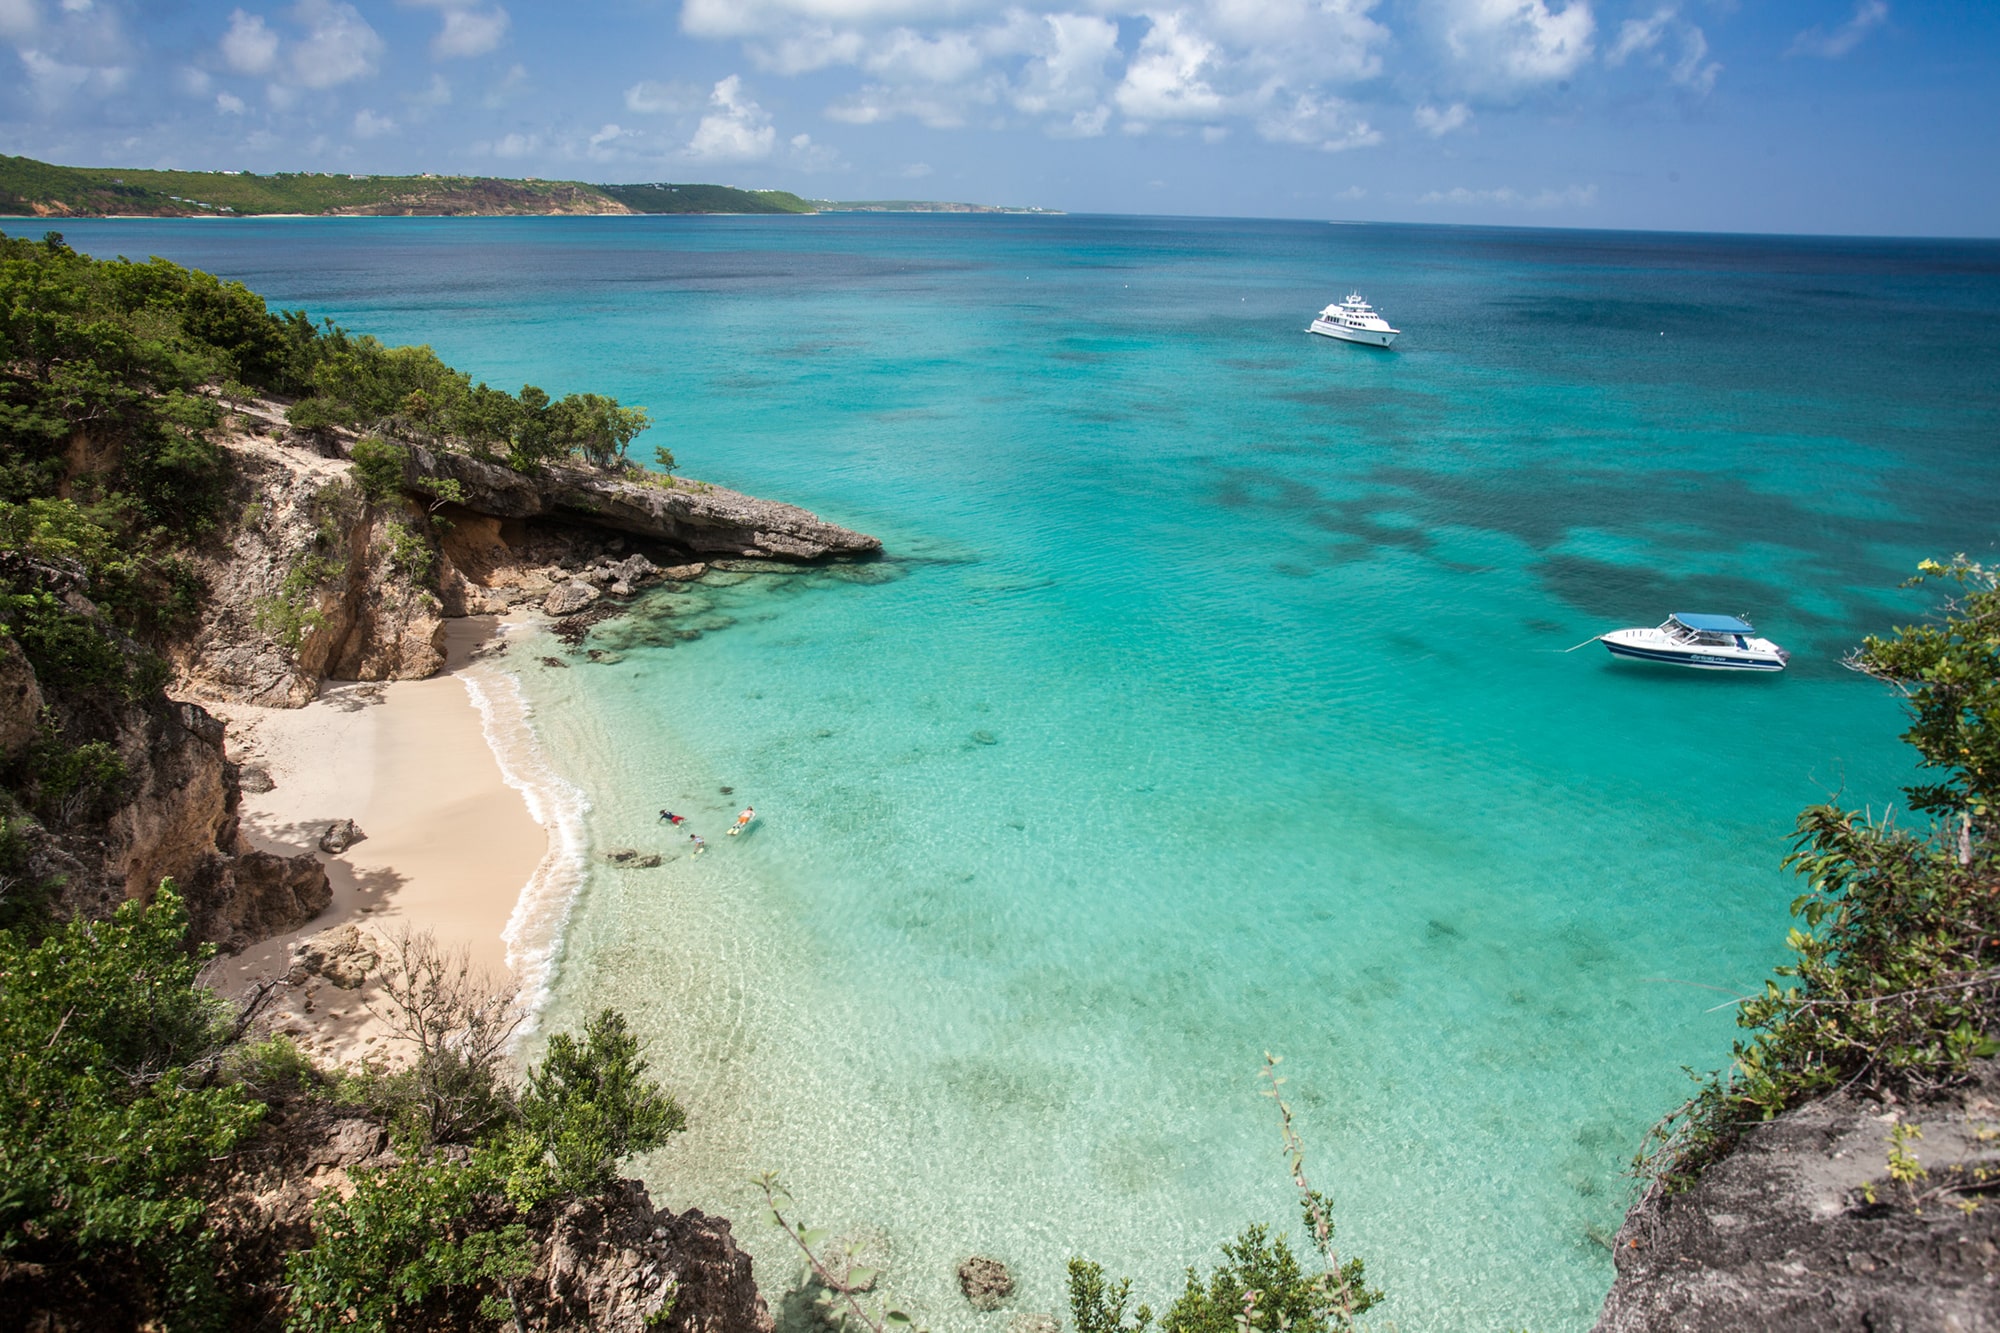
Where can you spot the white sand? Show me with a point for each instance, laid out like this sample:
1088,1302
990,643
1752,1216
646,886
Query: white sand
449,844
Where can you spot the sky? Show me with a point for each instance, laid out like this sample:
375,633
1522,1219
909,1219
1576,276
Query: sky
1860,117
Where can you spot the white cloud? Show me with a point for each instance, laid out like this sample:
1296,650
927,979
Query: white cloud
1574,196
1165,80
1065,71
806,155
907,57
916,171
469,32
249,47
1515,43
755,18
1327,124
1694,70
738,130
368,125
516,145
649,98
1636,35
229,104
1814,41
1304,41
437,93
18,18
941,108
1647,37
1084,124
338,47
55,80
812,48
1440,121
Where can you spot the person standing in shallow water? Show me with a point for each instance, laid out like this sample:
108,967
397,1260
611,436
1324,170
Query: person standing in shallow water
699,845
743,820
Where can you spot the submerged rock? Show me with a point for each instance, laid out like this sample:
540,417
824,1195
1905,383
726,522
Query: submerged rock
632,858
985,1282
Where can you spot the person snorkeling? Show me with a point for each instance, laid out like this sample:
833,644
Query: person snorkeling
743,820
672,818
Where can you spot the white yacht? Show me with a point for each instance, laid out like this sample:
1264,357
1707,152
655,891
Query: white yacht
1355,321
1712,643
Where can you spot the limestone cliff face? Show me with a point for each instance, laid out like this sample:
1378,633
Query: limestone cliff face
174,817
311,583
306,585
1782,1235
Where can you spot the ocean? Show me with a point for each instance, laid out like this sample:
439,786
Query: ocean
1210,700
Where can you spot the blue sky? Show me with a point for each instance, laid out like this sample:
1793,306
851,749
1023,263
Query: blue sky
1850,116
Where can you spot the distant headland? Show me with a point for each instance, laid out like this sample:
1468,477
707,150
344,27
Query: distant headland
29,188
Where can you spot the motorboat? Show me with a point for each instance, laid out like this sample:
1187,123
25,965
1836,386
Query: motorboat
1710,643
1355,321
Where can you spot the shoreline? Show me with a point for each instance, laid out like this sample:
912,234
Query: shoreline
454,842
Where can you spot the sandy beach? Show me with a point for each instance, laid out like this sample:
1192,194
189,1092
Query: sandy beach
448,846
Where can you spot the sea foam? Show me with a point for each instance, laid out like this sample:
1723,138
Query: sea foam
534,934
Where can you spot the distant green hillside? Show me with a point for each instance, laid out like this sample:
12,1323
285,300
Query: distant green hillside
664,198
38,189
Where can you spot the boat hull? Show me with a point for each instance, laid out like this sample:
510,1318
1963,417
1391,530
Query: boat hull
1695,659
1366,337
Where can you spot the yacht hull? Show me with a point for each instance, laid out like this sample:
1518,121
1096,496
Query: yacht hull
1696,659
1366,337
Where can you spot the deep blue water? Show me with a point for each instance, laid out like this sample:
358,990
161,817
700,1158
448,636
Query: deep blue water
1211,699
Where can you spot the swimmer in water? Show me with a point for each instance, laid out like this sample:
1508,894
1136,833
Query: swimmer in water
699,845
743,820
672,818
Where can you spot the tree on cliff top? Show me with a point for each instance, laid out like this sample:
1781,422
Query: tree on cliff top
1896,982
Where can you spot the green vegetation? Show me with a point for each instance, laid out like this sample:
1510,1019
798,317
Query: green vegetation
666,198
110,1114
1259,1284
1895,987
125,1091
28,187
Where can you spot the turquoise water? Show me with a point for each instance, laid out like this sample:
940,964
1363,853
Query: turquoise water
1210,700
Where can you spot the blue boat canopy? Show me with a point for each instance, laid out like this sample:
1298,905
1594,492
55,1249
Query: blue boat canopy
1713,624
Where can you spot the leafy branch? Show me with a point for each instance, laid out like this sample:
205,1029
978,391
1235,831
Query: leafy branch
840,1293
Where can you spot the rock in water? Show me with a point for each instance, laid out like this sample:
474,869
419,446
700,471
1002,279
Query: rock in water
1034,1323
570,598
985,1282
339,837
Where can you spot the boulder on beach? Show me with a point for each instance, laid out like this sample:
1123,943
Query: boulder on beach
570,598
985,1282
340,836
344,955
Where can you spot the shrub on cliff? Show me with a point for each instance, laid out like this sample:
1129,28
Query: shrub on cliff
109,1116
1896,983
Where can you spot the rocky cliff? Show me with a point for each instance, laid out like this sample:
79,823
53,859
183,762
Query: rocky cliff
312,581
1805,1227
160,800
692,515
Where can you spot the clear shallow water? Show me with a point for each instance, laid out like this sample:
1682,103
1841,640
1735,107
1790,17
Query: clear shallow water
1211,701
